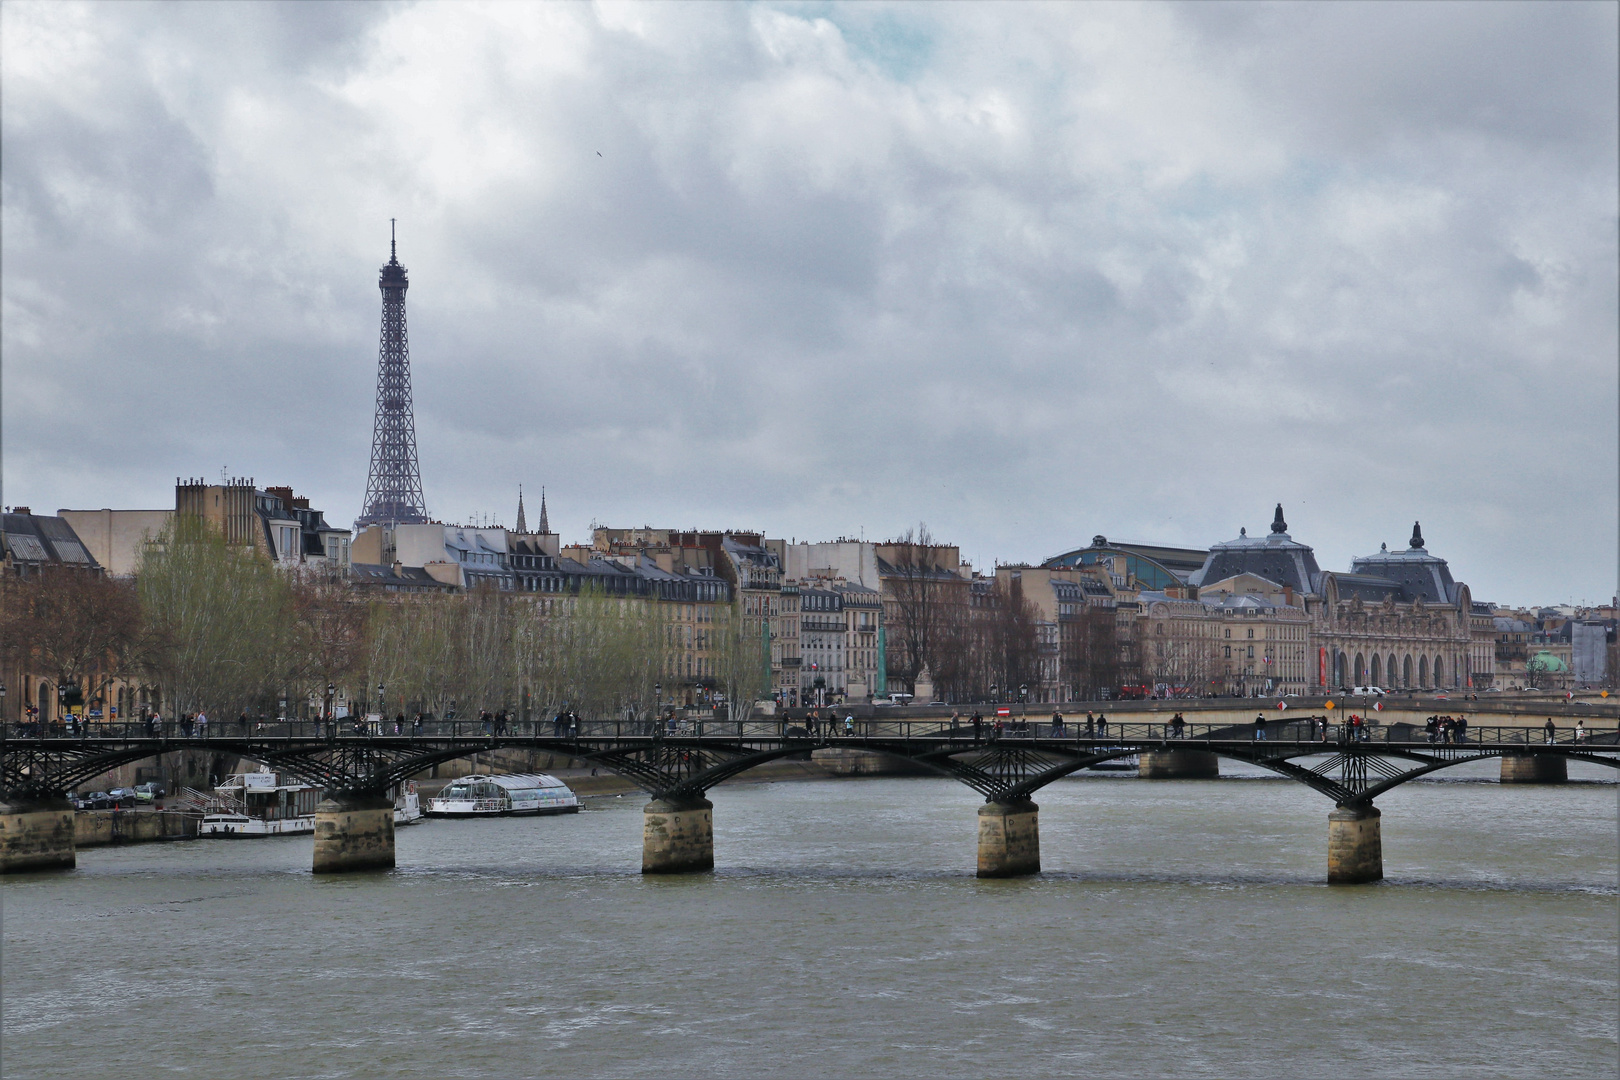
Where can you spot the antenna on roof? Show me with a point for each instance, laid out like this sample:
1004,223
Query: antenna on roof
393,250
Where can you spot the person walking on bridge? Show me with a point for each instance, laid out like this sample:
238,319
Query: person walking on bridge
978,726
1178,726
1057,724
1552,731
1102,725
1580,730
1091,724
1260,727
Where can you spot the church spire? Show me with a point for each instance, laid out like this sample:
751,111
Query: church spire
545,526
522,523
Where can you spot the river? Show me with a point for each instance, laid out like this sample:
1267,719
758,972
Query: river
1181,928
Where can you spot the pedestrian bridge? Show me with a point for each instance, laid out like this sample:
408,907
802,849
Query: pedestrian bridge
358,764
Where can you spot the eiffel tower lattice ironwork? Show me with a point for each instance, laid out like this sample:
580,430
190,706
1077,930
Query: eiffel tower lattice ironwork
394,485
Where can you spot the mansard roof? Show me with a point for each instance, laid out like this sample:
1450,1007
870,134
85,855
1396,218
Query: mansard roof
1277,557
1418,572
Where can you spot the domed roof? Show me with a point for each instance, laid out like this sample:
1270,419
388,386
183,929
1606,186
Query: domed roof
1546,661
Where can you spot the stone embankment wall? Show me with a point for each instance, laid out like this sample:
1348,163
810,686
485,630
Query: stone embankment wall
93,828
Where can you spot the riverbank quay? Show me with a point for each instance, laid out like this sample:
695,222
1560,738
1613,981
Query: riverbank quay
96,828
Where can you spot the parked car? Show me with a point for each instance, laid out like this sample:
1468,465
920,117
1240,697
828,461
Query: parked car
149,792
124,796
96,800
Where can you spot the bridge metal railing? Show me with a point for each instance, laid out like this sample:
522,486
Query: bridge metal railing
1321,729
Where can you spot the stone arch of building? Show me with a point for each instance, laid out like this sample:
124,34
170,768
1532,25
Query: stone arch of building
1423,671
1406,672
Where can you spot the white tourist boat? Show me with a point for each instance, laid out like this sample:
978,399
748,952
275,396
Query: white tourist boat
484,796
260,804
407,805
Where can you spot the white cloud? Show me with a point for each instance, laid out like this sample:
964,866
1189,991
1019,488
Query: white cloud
1029,273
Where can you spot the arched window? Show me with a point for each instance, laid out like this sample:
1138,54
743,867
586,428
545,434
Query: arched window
1391,667
1423,672
1406,671
1361,670
1376,664
1439,667
43,701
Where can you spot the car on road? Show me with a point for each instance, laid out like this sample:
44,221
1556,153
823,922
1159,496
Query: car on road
149,792
96,800
124,796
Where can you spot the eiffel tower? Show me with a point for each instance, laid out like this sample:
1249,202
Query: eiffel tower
394,486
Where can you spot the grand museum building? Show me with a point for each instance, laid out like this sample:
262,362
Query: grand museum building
1397,620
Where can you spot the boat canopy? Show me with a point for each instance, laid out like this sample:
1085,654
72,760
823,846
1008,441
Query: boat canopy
515,785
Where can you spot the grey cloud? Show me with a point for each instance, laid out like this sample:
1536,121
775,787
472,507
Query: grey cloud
1026,273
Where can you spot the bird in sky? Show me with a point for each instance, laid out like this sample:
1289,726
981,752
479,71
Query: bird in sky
599,153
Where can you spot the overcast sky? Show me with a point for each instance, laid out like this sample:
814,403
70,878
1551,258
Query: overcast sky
1025,273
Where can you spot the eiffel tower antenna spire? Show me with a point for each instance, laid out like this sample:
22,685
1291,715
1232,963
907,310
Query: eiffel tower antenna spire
394,483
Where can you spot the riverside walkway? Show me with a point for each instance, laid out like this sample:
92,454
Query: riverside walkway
359,763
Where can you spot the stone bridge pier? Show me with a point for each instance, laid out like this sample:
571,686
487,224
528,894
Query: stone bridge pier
1009,839
1534,769
354,832
36,834
1355,845
677,835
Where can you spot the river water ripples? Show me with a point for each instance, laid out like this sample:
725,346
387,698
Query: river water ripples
1182,928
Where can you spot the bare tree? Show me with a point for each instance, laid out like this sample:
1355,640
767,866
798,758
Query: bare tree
80,627
742,661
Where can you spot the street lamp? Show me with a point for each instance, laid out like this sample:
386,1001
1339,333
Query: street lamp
380,710
331,691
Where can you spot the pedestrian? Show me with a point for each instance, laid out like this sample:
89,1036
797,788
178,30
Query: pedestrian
1178,726
1462,729
242,723
1580,730
1091,725
1260,727
1102,725
978,726
1552,732
1431,728
1057,724
416,726
573,724
998,729
849,725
